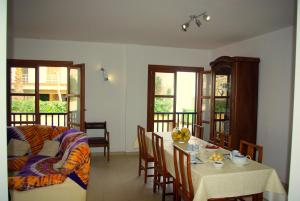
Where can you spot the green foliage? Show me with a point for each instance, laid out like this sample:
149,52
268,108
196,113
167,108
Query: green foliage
220,106
53,106
163,105
22,106
27,106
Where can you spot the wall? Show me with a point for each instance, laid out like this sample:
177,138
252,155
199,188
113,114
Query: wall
274,99
122,101
3,149
294,193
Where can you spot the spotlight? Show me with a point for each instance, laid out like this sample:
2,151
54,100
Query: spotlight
185,26
206,17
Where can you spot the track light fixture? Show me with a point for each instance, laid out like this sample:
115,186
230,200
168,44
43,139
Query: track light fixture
196,19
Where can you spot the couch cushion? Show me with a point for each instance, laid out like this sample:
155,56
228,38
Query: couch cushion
17,147
50,148
33,137
17,163
44,131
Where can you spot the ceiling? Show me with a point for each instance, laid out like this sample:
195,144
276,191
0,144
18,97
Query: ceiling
148,22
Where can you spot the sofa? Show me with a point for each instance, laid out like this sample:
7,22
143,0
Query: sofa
37,176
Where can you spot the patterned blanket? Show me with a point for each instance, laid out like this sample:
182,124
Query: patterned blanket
39,170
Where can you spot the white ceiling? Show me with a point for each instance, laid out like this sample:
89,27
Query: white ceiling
148,22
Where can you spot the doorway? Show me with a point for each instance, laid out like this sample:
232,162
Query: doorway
174,97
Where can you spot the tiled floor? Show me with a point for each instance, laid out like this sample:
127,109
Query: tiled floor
118,180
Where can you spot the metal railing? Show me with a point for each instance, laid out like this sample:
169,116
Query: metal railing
49,119
164,121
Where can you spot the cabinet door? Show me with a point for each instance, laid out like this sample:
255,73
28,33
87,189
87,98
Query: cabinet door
221,101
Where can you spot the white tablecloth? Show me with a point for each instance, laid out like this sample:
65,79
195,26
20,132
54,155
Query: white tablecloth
229,181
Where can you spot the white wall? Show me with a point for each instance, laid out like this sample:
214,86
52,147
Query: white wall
123,101
294,193
3,149
274,100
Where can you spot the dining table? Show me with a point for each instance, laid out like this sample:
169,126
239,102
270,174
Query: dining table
229,181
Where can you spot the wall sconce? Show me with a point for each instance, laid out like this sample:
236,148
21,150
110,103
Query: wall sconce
104,74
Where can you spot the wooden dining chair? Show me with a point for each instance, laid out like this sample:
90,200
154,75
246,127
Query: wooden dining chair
143,154
256,153
161,175
223,140
198,131
101,141
253,150
183,178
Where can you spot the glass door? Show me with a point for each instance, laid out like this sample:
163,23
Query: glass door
221,101
75,97
164,101
205,105
172,97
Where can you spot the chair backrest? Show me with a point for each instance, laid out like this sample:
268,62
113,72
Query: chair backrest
158,153
198,131
95,125
223,140
142,141
247,148
183,177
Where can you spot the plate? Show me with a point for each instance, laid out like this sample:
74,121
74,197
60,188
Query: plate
211,147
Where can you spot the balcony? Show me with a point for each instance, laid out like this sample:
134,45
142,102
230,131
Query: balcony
164,121
49,119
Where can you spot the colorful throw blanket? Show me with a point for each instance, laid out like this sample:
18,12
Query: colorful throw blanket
39,170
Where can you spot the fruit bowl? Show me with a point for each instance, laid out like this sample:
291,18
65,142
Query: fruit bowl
181,135
216,157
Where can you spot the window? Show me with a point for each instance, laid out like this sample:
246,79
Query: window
37,92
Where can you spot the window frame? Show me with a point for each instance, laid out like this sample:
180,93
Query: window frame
13,63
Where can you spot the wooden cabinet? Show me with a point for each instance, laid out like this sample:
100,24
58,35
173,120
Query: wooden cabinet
234,99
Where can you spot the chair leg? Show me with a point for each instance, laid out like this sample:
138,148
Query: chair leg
177,197
164,189
154,181
146,171
174,190
105,151
140,165
108,153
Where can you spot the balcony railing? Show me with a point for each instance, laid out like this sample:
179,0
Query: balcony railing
49,119
164,121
